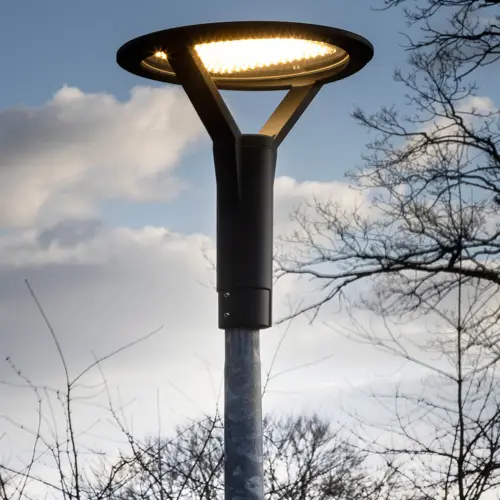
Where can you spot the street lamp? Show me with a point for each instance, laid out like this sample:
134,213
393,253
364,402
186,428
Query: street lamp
250,55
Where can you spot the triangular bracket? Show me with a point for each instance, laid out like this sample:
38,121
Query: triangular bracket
213,111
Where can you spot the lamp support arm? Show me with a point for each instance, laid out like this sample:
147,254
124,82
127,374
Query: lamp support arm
203,94
289,110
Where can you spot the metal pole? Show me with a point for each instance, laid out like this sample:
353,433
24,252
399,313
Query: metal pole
245,177
243,450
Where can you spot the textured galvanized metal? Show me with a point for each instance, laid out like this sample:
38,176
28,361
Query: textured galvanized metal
243,451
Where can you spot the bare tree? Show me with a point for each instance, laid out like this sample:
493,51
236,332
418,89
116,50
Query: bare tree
471,35
430,179
56,440
304,459
439,432
424,246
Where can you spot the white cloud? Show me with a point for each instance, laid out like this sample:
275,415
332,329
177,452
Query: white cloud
60,160
102,287
78,148
290,194
115,284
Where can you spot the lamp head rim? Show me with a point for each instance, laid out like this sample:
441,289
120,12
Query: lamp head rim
131,55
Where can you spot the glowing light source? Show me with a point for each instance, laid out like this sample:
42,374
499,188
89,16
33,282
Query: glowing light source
242,55
260,57
235,56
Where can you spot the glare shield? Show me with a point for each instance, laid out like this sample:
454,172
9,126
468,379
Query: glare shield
250,55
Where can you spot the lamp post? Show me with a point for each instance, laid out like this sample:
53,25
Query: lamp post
249,55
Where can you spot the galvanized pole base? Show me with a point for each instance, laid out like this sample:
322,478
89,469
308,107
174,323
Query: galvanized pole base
243,453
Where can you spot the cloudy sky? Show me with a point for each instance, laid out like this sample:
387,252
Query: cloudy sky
107,195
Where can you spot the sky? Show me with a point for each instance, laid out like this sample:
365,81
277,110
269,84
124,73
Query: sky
107,204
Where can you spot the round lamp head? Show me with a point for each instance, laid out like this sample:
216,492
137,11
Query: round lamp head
252,55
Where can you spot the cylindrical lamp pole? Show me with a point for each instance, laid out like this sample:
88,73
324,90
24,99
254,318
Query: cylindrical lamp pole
244,285
243,446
